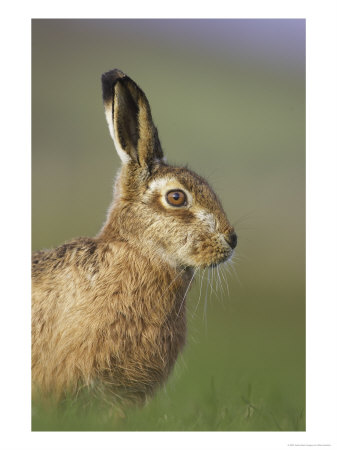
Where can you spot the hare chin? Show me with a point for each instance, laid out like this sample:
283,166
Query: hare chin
216,261
226,259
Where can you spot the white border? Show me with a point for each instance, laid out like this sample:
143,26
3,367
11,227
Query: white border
321,224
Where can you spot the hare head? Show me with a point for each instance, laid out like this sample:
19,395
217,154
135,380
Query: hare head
171,211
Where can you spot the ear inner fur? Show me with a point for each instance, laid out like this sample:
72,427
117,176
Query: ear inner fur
130,120
109,80
125,119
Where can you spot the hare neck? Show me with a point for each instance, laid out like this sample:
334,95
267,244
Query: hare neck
122,226
150,289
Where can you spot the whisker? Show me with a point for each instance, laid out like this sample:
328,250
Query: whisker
244,217
215,270
225,279
217,288
239,256
205,304
189,284
212,276
211,287
200,291
231,265
178,275
220,280
216,280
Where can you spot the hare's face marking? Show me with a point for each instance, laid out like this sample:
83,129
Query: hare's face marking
207,218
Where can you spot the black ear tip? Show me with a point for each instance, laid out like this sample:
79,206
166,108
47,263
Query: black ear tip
109,79
113,75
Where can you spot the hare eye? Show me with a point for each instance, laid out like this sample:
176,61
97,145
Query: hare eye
176,198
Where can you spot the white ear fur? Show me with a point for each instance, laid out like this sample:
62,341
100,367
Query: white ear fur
125,158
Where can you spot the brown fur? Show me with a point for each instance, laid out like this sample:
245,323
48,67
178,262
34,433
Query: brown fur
99,315
110,311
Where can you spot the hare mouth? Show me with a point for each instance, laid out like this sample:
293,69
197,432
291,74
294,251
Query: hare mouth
218,258
221,261
226,256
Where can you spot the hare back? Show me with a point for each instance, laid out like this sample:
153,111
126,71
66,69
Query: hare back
105,314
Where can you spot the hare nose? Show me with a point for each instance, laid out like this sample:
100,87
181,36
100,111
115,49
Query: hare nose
232,239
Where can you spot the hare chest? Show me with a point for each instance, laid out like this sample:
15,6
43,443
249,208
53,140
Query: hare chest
109,317
144,327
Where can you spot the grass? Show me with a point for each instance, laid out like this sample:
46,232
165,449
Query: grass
245,371
241,411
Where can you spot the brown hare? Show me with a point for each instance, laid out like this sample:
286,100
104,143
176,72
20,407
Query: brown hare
109,311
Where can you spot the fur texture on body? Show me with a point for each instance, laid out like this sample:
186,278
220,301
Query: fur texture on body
110,311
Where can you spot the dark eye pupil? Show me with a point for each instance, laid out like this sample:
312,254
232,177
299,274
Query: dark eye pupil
176,198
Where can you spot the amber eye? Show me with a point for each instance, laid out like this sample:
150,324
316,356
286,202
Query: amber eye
176,198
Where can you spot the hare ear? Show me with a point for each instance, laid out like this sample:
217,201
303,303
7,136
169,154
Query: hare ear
130,122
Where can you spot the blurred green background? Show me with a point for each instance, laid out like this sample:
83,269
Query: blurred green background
228,98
